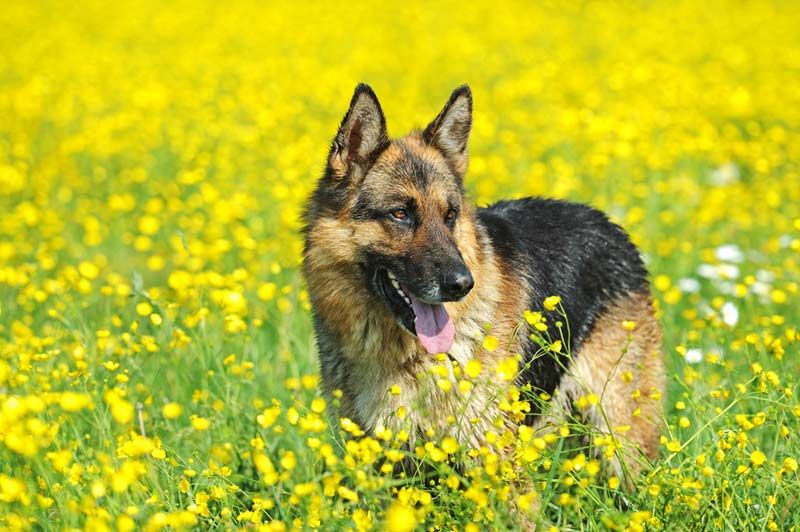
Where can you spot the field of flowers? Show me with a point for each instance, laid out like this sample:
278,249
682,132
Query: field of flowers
157,364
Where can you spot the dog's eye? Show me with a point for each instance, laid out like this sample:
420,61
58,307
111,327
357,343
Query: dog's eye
399,214
451,215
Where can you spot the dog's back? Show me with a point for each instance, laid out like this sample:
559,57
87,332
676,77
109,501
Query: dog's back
575,251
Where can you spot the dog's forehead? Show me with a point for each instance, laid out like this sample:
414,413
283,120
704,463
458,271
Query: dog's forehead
409,162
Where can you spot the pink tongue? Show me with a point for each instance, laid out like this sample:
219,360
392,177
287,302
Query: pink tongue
434,327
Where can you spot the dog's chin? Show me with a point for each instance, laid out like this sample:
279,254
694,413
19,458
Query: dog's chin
397,300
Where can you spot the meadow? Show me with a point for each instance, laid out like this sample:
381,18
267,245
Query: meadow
157,362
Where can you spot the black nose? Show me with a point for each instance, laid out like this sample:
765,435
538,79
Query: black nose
457,283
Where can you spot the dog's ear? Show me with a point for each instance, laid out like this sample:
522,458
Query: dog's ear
449,132
361,137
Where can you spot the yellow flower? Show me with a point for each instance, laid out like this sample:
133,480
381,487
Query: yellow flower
88,270
444,385
507,368
303,489
268,417
674,446
532,317
551,302
121,410
757,458
527,501
288,460
473,368
60,460
318,405
269,475
200,423
144,308
347,494
72,402
171,410
98,489
400,518
267,291
778,296
136,446
180,280
449,445
490,343
363,520
149,225
12,489
126,475
662,283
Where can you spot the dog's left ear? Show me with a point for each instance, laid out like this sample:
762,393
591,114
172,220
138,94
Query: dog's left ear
449,132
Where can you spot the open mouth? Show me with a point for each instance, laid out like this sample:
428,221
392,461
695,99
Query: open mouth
428,321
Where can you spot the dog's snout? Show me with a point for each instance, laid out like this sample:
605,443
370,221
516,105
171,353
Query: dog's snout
457,283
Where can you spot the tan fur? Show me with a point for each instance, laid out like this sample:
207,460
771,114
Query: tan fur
625,370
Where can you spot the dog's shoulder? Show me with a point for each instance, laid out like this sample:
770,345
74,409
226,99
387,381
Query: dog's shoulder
566,249
547,220
548,234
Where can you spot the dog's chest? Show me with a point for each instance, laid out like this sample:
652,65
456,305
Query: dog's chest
402,387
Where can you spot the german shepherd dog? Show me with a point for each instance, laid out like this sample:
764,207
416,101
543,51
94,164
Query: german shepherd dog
401,268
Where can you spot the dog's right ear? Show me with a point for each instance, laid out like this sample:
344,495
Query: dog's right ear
361,136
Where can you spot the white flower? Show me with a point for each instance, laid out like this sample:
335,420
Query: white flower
765,276
725,174
759,288
689,285
730,314
728,271
729,253
708,271
720,271
693,356
726,287
717,351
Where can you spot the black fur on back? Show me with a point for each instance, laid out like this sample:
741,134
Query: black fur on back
565,249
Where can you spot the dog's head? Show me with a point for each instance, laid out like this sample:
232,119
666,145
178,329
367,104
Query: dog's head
403,201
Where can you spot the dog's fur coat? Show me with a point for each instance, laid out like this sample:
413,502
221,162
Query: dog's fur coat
394,213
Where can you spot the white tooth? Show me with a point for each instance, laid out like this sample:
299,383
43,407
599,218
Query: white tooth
390,274
394,283
407,300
